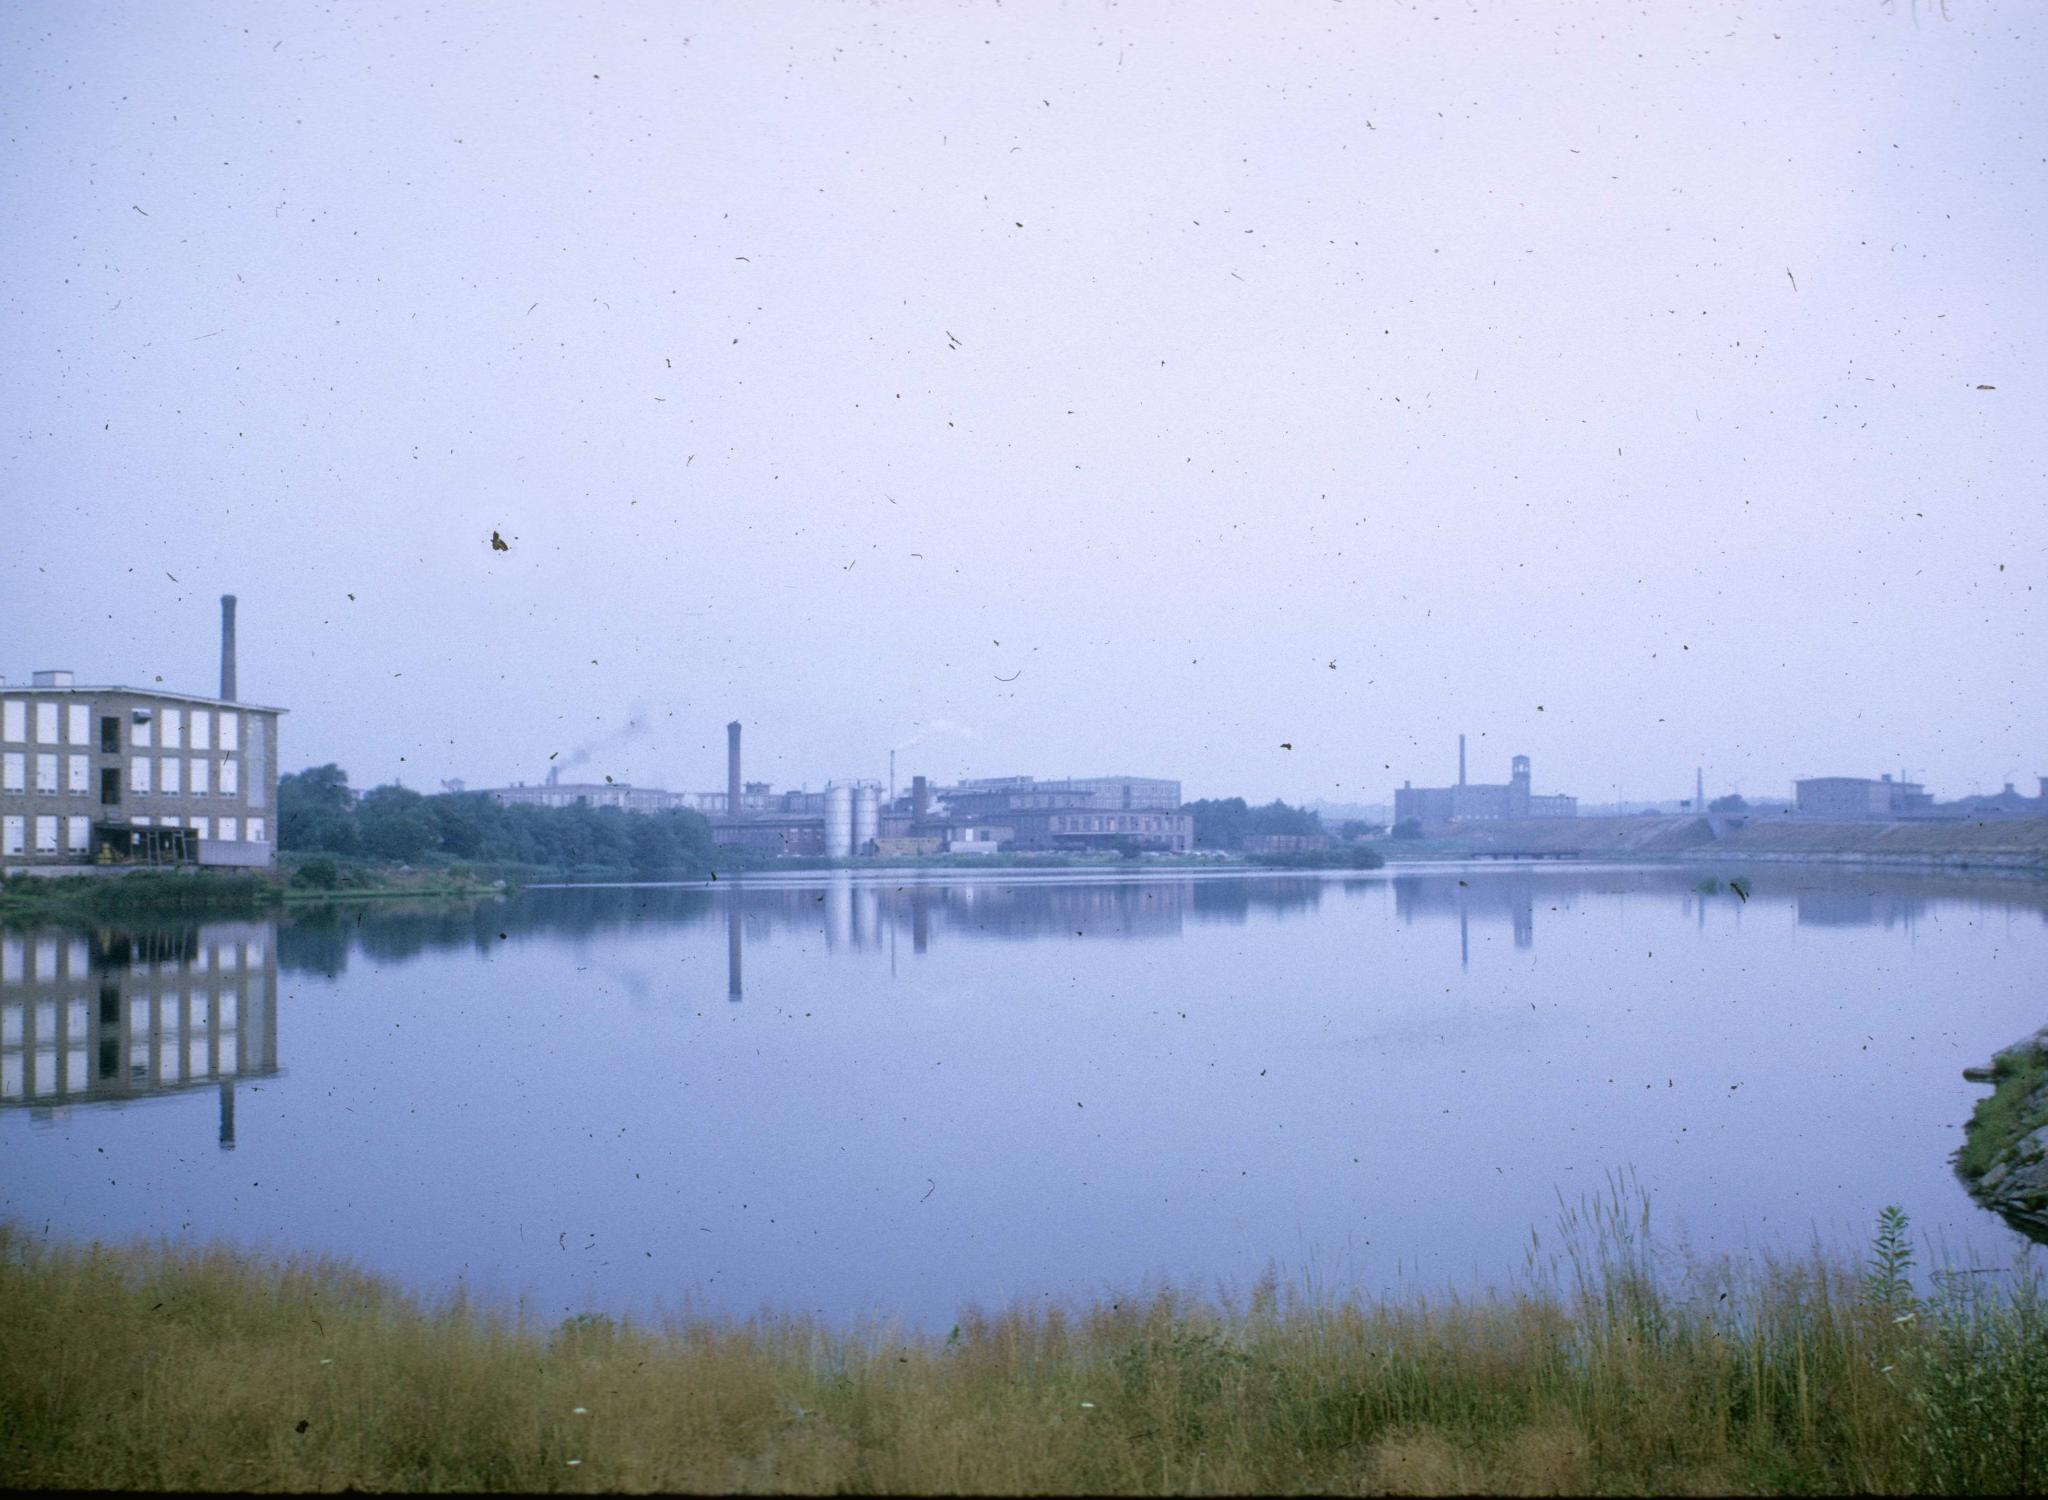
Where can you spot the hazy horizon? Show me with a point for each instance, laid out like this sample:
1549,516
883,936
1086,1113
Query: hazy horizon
1259,399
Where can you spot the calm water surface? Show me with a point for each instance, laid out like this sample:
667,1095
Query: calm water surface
890,1096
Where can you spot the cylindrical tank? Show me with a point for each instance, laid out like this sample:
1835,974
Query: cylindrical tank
838,821
867,816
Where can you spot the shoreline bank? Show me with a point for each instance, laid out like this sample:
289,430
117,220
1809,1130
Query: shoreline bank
200,1369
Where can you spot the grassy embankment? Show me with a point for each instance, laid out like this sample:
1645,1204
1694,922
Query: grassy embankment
198,894
2015,843
197,1370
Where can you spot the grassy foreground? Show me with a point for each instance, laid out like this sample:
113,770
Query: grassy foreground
184,1370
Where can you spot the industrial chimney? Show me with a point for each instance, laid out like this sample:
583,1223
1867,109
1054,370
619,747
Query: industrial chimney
920,799
227,648
733,789
1461,760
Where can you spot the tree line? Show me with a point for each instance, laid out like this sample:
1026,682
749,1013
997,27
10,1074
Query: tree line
1225,823
318,813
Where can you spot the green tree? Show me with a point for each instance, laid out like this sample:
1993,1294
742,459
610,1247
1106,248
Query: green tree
1732,803
317,811
396,824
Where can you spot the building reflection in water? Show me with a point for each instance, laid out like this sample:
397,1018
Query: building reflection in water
856,915
1858,908
1488,898
115,1015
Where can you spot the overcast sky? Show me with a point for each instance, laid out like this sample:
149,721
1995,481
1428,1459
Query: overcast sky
1064,388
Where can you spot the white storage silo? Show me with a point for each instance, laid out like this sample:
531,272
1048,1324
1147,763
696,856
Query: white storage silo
838,821
867,815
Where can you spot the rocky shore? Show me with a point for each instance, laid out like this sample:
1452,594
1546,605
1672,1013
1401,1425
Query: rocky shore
2004,1159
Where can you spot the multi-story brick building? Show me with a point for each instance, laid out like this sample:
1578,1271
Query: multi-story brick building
1469,802
126,776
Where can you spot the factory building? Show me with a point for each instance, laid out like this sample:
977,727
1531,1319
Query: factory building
1862,799
1859,799
840,822
1076,814
555,792
1470,803
121,776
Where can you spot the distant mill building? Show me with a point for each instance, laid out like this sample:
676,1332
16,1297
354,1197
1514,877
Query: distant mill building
1469,802
852,818
95,777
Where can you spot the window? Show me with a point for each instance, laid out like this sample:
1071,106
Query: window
13,771
143,734
202,778
230,731
174,728
14,720
168,777
13,831
46,773
46,835
141,822
138,773
110,735
230,778
46,723
78,834
202,729
257,833
78,782
199,826
228,829
110,787
78,728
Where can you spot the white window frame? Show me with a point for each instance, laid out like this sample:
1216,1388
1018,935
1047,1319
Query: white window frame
230,830
138,775
78,834
200,826
13,772
230,736
46,723
46,834
78,776
231,778
200,782
78,723
199,733
257,831
46,772
169,777
174,729
13,834
141,732
14,721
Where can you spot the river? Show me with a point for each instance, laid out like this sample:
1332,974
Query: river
886,1096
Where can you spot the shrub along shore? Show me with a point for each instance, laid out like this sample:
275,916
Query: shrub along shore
180,1369
203,894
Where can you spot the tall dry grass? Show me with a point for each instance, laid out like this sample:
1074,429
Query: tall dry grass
162,1368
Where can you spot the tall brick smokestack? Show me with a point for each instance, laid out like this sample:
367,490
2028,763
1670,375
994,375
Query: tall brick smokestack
227,648
732,769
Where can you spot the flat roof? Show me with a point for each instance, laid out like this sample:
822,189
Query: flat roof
28,689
